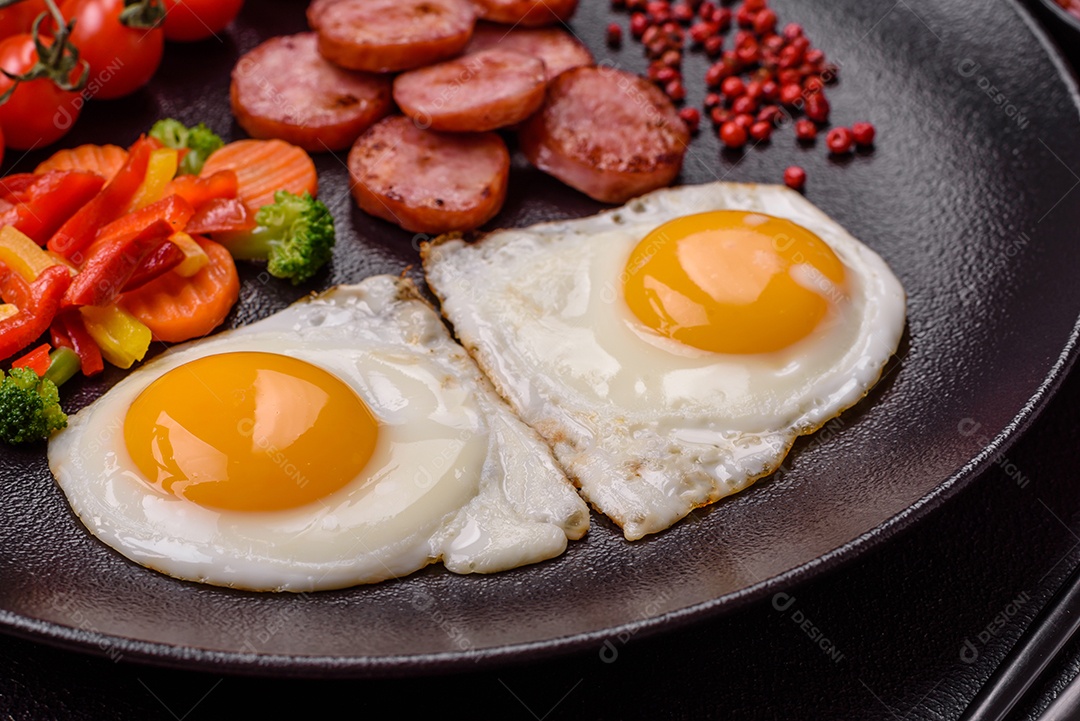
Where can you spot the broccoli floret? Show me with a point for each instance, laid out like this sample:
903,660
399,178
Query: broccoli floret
200,142
29,407
295,235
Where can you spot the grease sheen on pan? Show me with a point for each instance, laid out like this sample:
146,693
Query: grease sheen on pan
453,476
651,424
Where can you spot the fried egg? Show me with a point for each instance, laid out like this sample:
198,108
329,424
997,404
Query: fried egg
347,439
670,351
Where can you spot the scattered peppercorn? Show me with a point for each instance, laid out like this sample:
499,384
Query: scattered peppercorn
732,135
839,140
614,35
864,134
805,129
692,118
795,177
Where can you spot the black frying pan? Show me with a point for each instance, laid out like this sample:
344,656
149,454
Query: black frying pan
968,195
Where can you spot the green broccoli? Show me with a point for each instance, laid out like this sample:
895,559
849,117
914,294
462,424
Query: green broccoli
295,234
200,142
29,407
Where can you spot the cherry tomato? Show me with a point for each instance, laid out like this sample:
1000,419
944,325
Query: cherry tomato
187,20
122,59
20,18
38,113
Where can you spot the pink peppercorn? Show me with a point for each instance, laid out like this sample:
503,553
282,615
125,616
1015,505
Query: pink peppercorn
795,177
839,140
614,35
864,133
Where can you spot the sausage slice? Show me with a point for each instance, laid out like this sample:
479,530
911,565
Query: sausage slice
285,89
559,50
610,134
529,13
483,91
429,182
391,35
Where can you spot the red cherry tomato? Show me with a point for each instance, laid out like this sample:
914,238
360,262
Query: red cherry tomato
20,18
122,59
38,113
187,20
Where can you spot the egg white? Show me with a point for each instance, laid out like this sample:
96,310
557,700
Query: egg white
455,475
650,428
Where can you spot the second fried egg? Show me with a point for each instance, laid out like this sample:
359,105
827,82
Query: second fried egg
671,351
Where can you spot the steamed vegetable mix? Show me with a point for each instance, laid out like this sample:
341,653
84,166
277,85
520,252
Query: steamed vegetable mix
104,250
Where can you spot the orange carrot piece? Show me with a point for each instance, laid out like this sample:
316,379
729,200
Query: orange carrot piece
104,160
264,167
177,309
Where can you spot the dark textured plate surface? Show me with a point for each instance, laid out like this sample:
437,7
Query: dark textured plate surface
967,196
1063,18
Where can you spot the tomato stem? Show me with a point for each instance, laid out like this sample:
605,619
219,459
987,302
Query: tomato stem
142,14
56,62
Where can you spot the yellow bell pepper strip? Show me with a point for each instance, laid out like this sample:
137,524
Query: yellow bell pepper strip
7,310
23,255
160,169
39,305
195,258
120,336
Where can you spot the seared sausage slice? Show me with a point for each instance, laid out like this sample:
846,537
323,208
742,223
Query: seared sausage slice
559,50
391,35
474,93
610,134
529,13
429,182
285,89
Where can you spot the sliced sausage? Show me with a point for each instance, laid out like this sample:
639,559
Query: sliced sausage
478,92
391,35
529,13
285,89
559,50
429,182
610,134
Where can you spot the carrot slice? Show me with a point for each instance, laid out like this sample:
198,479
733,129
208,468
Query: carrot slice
264,167
177,309
104,160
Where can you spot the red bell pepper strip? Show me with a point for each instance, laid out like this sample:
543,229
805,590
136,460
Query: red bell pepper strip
197,190
109,265
81,342
36,360
13,289
173,210
12,185
43,298
158,263
221,216
58,334
47,203
76,235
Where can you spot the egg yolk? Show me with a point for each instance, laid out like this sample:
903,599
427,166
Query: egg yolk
249,432
733,281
